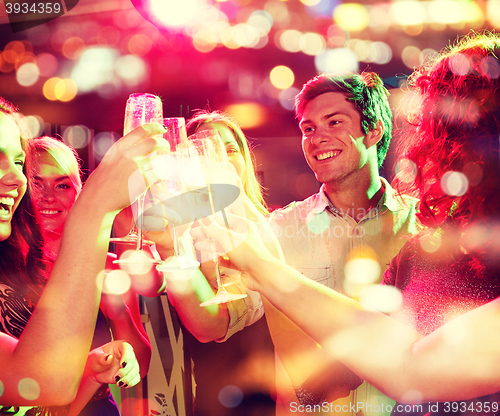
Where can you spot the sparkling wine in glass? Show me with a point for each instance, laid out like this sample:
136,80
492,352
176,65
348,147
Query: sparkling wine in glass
213,197
141,108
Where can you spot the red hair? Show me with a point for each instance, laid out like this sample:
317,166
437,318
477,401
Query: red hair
456,127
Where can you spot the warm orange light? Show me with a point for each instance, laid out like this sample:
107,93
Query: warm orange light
249,115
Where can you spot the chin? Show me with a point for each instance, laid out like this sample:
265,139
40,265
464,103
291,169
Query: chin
5,231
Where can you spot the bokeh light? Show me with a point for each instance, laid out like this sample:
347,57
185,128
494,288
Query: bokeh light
362,270
230,396
139,44
131,69
35,125
262,21
431,242
60,89
493,11
411,56
287,98
28,389
289,40
454,183
459,64
174,13
49,88
406,170
351,16
47,64
407,12
339,60
77,136
312,43
136,262
102,143
27,74
249,115
116,282
336,36
310,2
73,47
445,11
278,11
380,19
95,67
386,299
282,77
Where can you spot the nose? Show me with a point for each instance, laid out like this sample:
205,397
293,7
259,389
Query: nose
46,194
318,137
13,177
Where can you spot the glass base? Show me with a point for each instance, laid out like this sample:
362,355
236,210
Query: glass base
133,261
223,297
130,239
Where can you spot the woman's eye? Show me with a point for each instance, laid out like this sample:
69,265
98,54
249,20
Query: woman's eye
20,164
232,150
63,186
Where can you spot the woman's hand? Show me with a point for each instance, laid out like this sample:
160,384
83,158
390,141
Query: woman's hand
114,363
125,172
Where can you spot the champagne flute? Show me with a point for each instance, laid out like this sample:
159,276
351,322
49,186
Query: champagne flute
176,206
175,131
141,108
213,197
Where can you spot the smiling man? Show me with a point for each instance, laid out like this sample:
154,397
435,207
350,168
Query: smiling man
355,219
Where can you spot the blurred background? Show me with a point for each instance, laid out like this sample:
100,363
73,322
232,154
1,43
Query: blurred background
248,57
71,78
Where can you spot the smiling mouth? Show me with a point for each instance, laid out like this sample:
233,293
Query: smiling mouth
6,204
49,212
328,155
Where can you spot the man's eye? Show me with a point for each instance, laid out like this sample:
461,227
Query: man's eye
334,122
307,130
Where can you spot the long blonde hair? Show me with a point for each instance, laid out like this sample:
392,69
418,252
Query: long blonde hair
65,156
252,187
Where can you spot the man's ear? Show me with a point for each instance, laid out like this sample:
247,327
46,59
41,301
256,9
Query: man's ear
374,135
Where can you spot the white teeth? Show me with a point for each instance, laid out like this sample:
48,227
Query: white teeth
327,155
7,201
48,211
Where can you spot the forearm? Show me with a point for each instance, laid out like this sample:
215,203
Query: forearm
125,328
74,287
88,387
371,344
205,323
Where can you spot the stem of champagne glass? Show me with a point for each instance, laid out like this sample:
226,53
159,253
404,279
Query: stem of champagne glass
140,218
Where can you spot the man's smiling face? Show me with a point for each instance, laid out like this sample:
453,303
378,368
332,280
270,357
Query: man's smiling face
332,139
